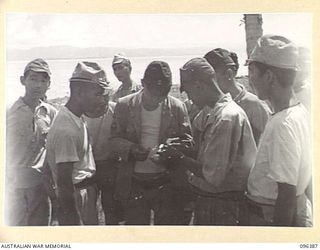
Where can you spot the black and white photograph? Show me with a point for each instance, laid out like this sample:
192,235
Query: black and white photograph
180,119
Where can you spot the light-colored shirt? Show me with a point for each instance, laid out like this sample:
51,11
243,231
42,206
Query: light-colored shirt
283,156
150,128
257,111
99,133
68,141
227,148
25,142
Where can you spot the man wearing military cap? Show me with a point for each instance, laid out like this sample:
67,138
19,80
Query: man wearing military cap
218,175
142,121
282,170
122,68
69,151
27,125
225,64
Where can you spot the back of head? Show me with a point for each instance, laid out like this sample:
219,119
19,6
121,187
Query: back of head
221,58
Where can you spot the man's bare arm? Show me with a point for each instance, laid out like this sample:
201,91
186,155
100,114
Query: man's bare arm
68,213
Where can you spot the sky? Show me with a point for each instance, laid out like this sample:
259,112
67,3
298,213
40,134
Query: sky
147,30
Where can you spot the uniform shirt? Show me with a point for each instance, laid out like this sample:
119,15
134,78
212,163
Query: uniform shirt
227,148
121,91
283,156
150,128
99,133
26,135
68,141
257,111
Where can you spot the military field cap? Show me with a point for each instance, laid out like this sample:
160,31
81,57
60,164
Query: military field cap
120,58
197,68
158,73
90,72
276,51
38,65
218,58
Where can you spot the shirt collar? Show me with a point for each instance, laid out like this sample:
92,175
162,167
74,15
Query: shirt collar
241,94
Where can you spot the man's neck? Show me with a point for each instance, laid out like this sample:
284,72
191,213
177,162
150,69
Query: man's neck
235,90
31,102
127,83
214,99
282,101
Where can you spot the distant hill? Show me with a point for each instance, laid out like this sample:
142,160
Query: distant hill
69,52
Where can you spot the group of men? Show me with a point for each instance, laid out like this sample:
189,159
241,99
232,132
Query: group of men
243,160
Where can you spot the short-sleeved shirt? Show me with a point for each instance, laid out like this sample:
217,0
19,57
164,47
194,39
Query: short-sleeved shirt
122,91
257,111
99,133
68,141
25,142
283,155
227,147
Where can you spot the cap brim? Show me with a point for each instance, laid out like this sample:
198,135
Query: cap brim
38,71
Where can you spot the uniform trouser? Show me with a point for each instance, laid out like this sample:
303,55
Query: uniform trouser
156,195
27,206
86,200
262,215
216,211
105,179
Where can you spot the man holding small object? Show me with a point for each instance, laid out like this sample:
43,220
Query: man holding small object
227,148
142,121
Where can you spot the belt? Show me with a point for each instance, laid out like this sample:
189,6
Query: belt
230,195
151,180
85,183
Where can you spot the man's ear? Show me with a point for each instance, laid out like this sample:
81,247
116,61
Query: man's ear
142,83
270,78
22,80
229,74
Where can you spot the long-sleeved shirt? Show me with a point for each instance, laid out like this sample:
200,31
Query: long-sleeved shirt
227,148
26,137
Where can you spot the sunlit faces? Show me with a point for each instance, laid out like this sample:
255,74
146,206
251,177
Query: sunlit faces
36,84
257,80
122,71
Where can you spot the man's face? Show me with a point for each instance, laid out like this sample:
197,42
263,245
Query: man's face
122,71
221,79
193,90
156,93
36,84
94,98
257,81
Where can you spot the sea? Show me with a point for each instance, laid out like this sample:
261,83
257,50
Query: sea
62,70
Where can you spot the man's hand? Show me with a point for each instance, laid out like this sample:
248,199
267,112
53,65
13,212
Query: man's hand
169,153
139,153
184,143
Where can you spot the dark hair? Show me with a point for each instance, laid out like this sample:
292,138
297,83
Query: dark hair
285,76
